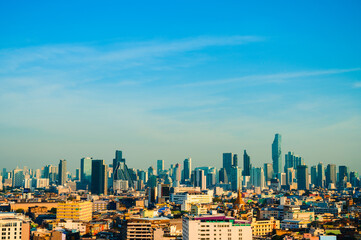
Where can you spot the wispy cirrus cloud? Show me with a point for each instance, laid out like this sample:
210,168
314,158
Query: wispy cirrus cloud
134,54
272,78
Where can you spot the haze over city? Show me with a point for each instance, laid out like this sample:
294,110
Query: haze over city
179,80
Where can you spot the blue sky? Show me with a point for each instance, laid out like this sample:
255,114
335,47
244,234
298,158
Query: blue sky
168,80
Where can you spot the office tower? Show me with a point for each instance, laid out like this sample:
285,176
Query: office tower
99,177
211,178
143,175
236,178
292,160
320,175
176,177
314,177
85,172
354,178
257,177
150,171
120,169
246,164
223,177
187,168
77,174
302,177
268,171
200,179
228,162
62,177
18,177
235,160
342,175
160,166
290,177
331,175
276,155
4,174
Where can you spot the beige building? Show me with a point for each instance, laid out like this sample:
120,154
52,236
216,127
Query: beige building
264,227
78,211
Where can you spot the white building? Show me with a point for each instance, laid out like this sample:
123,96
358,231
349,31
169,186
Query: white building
187,199
13,227
217,227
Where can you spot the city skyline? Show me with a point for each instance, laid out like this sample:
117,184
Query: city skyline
209,80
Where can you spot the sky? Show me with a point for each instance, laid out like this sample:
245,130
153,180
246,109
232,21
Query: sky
176,79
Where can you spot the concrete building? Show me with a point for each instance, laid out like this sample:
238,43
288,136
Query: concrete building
79,211
264,227
217,227
13,227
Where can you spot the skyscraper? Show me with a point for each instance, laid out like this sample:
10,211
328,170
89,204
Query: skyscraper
187,169
268,171
302,177
86,172
314,178
160,166
236,178
120,169
331,175
228,162
99,177
62,177
235,160
342,175
200,179
320,175
246,164
277,155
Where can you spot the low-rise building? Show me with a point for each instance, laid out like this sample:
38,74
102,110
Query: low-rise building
74,210
264,227
217,227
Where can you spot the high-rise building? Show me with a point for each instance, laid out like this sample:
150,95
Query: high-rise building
342,175
257,177
160,166
62,176
228,162
150,171
268,171
187,169
277,155
302,177
200,179
176,175
331,175
223,176
99,180
120,169
314,177
18,177
86,172
236,178
354,178
246,164
290,177
320,175
292,160
235,160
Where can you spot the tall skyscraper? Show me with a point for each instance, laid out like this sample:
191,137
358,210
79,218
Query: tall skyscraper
176,175
120,169
236,178
228,162
268,171
160,166
320,175
302,177
314,178
277,155
331,175
99,177
187,169
342,175
200,179
86,172
62,176
246,164
223,176
235,160
257,177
